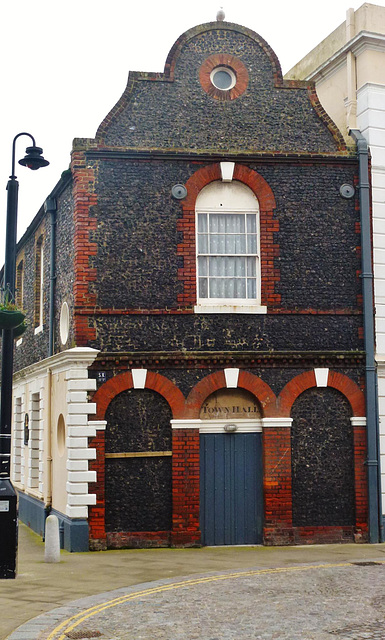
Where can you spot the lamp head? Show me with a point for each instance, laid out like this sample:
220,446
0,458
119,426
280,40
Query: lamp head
34,159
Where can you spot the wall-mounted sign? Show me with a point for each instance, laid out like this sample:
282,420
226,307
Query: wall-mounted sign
26,429
228,404
102,377
4,505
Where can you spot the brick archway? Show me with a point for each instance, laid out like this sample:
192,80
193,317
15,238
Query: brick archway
356,399
124,381
105,394
306,380
268,227
215,381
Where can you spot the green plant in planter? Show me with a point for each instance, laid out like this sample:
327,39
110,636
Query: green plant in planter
10,316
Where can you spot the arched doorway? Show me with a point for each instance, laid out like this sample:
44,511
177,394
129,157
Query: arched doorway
138,462
231,500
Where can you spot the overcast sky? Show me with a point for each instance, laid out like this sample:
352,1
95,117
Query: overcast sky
65,64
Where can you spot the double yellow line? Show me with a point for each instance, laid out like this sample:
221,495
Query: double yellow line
59,633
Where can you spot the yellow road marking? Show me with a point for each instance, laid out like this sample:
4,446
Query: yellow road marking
71,623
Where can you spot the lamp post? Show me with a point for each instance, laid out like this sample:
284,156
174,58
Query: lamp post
8,500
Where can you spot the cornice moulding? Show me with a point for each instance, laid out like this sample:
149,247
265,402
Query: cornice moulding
361,42
78,357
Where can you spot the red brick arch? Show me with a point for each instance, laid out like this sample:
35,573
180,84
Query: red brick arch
305,381
154,381
203,176
216,381
268,227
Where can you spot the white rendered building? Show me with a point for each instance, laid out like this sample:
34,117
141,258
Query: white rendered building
348,69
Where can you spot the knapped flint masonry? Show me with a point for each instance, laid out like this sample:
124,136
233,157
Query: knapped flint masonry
205,261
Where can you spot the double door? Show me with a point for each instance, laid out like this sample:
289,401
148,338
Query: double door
231,499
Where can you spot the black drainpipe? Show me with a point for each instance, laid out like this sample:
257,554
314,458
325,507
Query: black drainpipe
372,427
50,206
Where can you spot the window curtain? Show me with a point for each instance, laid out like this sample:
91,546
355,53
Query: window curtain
225,267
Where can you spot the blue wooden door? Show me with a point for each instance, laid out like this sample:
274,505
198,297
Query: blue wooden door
231,501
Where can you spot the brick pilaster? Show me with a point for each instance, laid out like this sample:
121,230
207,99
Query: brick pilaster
84,198
277,482
360,478
185,493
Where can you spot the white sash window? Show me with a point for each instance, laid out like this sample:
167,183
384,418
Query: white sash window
228,263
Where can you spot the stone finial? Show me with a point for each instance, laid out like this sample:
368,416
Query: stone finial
220,15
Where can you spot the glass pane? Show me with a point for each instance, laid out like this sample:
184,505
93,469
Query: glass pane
216,267
202,244
252,244
235,223
218,244
228,266
251,223
217,288
251,288
229,244
240,244
251,267
222,79
240,266
230,288
202,223
235,267
202,266
239,288
217,223
203,287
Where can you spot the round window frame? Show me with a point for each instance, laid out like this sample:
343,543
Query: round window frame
229,63
231,74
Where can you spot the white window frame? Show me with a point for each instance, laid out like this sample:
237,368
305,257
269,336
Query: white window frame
230,305
18,438
35,452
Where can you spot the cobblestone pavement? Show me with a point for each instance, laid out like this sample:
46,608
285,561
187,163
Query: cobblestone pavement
335,601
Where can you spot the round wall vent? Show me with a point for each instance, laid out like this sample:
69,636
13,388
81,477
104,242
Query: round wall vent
347,191
179,191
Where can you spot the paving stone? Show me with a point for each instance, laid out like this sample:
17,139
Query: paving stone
345,602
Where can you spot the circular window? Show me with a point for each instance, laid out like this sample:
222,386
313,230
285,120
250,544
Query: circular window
61,435
64,323
223,78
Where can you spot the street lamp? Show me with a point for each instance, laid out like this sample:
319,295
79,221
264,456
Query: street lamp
8,499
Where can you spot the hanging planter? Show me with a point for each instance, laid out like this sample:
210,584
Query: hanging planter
19,330
10,316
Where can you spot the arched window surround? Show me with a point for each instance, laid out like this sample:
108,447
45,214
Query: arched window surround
269,248
228,249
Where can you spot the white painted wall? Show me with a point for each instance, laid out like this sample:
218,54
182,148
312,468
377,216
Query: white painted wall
371,122
360,43
44,469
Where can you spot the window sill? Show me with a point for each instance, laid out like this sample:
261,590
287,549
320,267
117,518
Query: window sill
229,308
